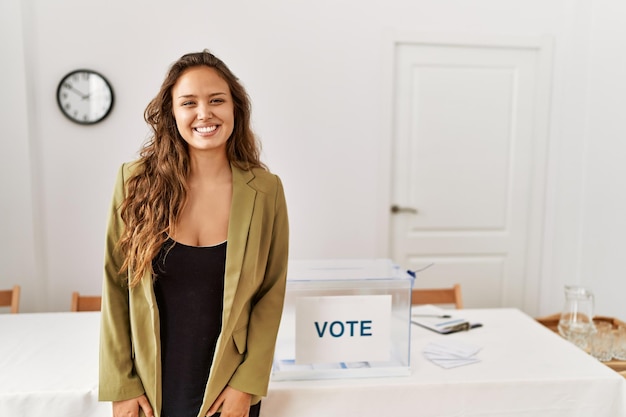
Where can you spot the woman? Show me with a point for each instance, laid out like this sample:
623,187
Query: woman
196,257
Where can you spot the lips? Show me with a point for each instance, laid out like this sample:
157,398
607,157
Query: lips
205,129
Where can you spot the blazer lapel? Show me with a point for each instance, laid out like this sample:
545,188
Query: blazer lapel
242,206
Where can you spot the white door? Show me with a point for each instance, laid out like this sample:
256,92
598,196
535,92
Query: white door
468,155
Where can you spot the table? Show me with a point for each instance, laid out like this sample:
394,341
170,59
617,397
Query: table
49,367
526,370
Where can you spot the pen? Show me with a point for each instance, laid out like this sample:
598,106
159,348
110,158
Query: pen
414,273
445,316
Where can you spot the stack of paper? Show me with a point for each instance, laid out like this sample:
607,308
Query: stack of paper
438,319
451,353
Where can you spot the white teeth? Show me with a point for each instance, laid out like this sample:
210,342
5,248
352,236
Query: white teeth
207,129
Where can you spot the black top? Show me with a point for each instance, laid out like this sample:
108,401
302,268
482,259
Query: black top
189,289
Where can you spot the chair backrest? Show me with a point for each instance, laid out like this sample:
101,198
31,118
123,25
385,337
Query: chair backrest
450,295
86,302
11,298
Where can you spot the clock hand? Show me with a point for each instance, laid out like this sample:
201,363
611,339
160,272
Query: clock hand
77,91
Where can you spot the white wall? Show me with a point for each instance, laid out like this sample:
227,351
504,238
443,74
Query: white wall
316,73
18,263
603,260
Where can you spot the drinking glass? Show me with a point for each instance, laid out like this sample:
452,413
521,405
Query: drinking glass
601,343
576,321
619,344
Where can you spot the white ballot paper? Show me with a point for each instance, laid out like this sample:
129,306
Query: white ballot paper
451,353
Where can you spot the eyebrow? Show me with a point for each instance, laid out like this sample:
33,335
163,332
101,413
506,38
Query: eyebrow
193,95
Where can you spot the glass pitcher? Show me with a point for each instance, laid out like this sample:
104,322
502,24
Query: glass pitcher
576,321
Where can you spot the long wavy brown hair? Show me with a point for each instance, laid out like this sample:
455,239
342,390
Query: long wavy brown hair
157,192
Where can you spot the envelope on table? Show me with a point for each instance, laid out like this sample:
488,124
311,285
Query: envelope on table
451,353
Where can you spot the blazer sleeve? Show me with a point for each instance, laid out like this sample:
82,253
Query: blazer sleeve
117,377
253,374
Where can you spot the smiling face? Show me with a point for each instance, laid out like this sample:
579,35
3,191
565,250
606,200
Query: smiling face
203,109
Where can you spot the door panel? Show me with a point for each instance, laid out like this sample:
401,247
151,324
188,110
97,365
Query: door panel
464,146
470,191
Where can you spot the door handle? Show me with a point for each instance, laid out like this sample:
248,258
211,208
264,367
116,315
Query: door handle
395,209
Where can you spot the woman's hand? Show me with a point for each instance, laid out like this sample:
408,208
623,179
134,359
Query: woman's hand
234,403
130,408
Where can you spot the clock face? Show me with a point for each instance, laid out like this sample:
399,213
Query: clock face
85,97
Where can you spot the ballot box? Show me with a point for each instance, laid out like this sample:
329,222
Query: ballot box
344,319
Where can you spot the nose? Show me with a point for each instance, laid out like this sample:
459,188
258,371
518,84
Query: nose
204,112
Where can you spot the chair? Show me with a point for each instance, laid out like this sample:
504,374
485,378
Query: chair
450,295
85,302
11,298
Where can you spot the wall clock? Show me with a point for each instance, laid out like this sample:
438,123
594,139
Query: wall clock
85,96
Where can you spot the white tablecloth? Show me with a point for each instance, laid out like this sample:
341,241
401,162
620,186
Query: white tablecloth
525,371
49,368
49,365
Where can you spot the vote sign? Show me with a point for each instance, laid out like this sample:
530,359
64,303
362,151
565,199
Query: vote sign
334,329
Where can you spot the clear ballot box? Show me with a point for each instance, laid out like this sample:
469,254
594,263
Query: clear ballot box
344,319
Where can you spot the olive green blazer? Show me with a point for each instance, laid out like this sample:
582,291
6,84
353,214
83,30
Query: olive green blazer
254,289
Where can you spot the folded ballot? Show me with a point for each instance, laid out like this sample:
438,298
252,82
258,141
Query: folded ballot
438,319
451,353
